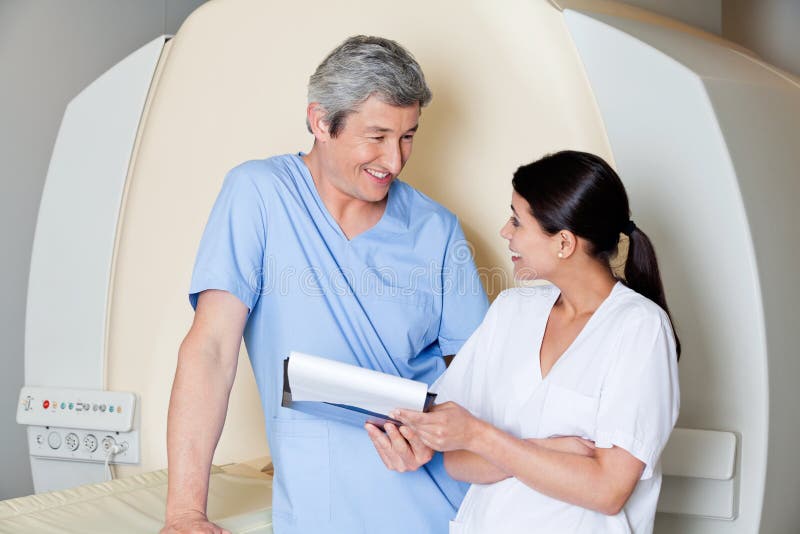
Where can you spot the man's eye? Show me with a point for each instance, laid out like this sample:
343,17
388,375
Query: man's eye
378,138
408,137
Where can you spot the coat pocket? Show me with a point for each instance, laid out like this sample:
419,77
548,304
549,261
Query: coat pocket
568,413
302,483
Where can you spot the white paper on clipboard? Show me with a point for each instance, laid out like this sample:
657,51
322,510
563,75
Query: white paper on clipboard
315,379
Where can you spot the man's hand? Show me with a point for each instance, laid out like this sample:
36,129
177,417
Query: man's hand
191,523
401,450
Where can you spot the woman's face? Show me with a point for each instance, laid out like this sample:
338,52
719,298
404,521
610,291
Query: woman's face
534,252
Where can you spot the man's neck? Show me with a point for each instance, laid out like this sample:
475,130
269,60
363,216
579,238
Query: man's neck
353,215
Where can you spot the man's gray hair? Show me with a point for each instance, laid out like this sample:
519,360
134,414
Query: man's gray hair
363,66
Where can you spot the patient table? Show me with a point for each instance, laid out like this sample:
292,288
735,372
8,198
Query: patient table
238,500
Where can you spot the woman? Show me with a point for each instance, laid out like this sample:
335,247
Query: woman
588,356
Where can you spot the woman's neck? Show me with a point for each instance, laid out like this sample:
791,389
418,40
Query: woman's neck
584,287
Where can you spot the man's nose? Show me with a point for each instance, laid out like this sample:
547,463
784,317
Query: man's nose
393,158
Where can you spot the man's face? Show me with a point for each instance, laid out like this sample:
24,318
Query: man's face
370,150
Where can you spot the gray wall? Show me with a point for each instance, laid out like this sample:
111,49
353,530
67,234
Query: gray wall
705,14
49,51
768,27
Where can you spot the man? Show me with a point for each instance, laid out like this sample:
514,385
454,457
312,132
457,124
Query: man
327,253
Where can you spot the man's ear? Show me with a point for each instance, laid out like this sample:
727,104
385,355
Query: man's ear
315,114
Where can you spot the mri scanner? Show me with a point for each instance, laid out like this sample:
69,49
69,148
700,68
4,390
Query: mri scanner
703,133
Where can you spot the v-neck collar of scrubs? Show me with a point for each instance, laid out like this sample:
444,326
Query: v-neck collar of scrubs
391,220
583,333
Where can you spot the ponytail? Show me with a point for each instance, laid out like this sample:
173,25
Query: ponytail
580,192
642,274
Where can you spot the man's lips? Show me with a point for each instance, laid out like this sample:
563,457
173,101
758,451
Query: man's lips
379,176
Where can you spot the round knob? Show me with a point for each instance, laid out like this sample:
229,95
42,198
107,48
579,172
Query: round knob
54,440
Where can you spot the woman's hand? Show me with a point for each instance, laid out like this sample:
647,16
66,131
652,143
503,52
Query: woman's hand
447,427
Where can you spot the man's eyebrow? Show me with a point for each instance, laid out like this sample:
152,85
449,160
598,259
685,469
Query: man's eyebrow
381,129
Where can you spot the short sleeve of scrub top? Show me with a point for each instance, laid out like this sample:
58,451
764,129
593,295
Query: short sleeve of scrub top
463,382
459,279
231,252
638,408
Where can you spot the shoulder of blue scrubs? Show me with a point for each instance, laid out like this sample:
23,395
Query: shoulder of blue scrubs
422,209
267,175
231,251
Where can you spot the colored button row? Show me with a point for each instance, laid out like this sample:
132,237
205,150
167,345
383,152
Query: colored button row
82,406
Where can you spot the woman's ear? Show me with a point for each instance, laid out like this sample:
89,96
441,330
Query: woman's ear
567,243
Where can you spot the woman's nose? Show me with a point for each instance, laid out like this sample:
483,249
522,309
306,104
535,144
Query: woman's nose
505,231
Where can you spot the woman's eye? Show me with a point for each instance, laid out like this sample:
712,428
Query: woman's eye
514,221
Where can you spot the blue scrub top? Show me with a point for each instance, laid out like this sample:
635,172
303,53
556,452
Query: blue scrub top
395,298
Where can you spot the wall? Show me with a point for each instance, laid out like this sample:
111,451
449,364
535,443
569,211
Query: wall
768,27
704,14
49,51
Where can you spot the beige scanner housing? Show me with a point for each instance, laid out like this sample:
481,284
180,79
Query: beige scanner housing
703,133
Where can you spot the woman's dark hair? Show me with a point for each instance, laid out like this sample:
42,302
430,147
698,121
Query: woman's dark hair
580,192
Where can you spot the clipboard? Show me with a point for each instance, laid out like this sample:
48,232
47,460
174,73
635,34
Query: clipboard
350,413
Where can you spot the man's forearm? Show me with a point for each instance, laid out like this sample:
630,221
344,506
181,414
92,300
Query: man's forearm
197,410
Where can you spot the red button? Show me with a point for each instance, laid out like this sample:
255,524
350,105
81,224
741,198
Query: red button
46,404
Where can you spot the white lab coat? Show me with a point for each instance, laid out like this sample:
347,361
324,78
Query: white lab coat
616,384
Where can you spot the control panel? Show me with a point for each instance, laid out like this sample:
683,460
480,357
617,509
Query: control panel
84,445
76,408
